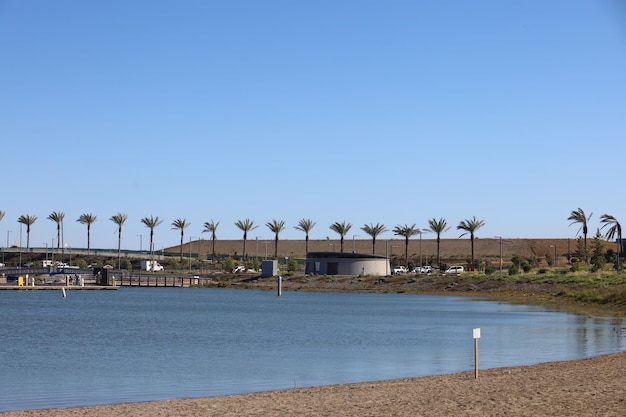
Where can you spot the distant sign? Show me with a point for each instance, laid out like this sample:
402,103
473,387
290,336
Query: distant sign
477,333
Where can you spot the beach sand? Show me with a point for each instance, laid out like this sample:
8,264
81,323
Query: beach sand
587,387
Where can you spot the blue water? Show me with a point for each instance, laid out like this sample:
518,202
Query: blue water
141,344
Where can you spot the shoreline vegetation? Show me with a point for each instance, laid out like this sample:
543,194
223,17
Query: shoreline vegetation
601,293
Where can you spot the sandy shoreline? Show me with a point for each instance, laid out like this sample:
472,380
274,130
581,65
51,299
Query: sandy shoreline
586,387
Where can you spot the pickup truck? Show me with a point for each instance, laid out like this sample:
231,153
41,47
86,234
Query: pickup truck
399,270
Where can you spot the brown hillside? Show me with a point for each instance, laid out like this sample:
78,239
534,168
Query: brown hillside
452,250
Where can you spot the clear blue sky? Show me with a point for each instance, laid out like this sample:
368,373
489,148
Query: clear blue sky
359,111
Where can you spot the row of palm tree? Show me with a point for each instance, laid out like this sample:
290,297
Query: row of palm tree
88,219
275,226
436,226
614,230
342,229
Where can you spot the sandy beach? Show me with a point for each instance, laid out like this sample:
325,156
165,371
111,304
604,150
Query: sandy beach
587,387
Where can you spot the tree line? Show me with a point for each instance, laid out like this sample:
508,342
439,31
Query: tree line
609,224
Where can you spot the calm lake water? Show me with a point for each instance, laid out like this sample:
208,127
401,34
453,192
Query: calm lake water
141,344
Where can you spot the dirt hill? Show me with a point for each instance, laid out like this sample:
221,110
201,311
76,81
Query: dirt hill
452,250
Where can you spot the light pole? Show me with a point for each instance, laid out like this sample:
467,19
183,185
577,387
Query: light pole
391,246
500,237
190,237
52,251
140,243
353,245
387,256
421,231
257,247
20,245
46,243
556,261
265,243
8,231
619,249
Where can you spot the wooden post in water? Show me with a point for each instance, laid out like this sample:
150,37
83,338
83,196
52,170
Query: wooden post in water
280,285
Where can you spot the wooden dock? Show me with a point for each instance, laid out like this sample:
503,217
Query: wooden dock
153,280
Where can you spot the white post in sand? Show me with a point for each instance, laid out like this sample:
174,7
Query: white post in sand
280,285
476,337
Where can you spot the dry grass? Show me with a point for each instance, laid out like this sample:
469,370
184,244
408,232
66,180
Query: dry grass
451,250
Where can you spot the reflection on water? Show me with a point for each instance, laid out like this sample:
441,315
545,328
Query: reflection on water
140,344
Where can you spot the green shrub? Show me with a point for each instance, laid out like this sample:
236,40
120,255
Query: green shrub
228,264
81,263
292,265
513,270
526,267
489,270
253,264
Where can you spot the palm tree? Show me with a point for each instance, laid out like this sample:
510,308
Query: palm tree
276,226
305,225
374,231
88,219
1,214
211,227
342,228
406,231
151,223
438,226
578,216
28,220
181,224
614,231
245,226
470,226
57,217
119,219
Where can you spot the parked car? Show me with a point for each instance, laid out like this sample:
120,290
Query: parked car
1,265
426,269
400,269
457,269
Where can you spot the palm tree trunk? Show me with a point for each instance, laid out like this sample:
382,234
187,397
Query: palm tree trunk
119,247
406,252
181,244
151,249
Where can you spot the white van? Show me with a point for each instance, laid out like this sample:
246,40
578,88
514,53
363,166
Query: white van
457,269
